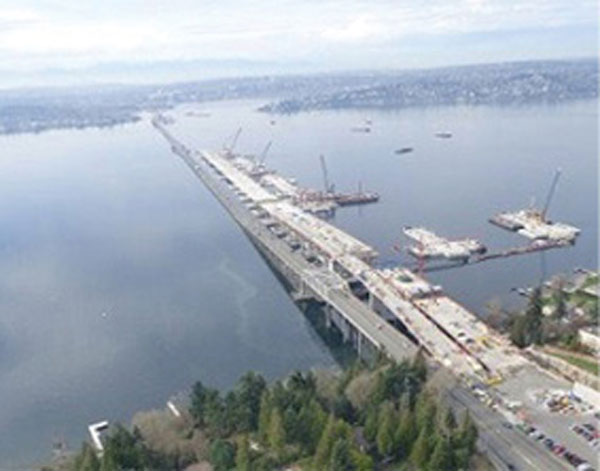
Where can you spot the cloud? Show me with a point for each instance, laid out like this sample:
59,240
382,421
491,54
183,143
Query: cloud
360,28
71,33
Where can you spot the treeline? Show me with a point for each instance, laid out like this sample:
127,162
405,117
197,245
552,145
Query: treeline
393,420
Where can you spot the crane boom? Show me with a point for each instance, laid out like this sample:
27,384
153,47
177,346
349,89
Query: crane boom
325,177
234,140
263,155
551,192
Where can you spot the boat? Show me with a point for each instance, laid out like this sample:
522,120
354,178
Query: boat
361,129
443,135
403,150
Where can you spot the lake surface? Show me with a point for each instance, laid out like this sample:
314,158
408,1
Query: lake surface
122,281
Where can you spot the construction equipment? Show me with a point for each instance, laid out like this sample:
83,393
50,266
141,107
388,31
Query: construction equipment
229,149
551,193
329,188
263,155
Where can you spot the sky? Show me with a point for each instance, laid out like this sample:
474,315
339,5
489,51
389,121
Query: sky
144,40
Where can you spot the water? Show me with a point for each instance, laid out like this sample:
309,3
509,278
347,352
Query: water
122,280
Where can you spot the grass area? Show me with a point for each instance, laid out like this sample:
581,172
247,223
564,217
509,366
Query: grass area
591,280
591,365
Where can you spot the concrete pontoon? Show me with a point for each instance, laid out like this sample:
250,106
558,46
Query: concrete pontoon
430,245
531,224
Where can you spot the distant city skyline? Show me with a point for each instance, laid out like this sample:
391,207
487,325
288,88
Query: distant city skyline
48,42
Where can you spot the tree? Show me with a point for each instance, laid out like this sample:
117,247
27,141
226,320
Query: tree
405,434
386,429
361,461
326,442
87,459
446,421
222,455
109,463
197,399
124,449
420,451
340,456
441,458
276,431
518,334
249,392
467,433
343,408
264,416
419,365
527,329
310,422
371,424
242,454
425,411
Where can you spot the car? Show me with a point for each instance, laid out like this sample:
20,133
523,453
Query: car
558,449
541,436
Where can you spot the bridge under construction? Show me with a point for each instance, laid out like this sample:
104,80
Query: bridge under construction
392,311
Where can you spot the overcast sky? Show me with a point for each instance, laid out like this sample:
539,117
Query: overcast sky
291,35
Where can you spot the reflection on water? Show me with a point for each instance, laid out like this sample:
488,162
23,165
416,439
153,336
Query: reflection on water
122,281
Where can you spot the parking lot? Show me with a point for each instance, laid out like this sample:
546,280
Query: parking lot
553,431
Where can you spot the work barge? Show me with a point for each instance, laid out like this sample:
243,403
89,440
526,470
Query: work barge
393,311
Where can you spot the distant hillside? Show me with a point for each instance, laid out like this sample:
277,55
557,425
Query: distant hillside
497,84
35,110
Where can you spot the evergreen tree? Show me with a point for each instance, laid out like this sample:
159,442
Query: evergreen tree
222,455
197,399
276,431
518,334
249,392
325,445
109,462
361,461
419,454
340,456
386,429
441,458
406,433
264,417
371,424
425,411
87,459
311,420
468,433
446,421
419,365
242,454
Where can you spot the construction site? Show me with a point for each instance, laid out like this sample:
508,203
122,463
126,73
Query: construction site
393,310
531,223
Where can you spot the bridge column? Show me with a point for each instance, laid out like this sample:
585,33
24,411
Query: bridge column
370,301
327,311
359,343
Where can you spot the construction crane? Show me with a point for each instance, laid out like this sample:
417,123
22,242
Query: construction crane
263,155
551,193
233,142
329,188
